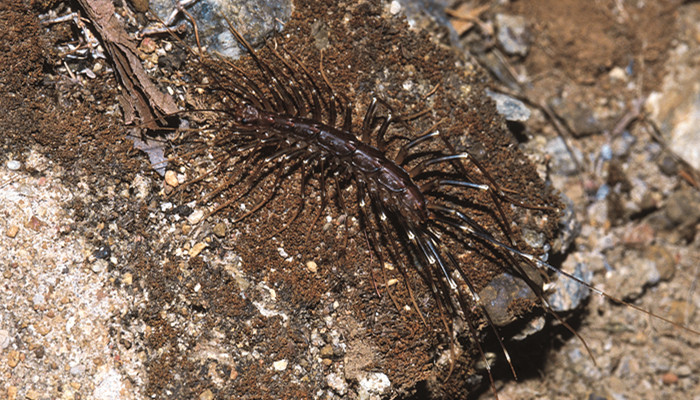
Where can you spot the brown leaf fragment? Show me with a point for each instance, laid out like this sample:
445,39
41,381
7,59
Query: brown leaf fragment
465,16
141,98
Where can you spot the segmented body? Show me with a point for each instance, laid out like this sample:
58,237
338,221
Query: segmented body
386,180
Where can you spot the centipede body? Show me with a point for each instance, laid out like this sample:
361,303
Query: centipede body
496,153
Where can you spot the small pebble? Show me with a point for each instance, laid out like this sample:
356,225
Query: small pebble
128,278
327,351
684,371
195,217
280,365
13,358
395,7
77,370
669,378
513,34
374,383
148,45
38,301
12,231
337,383
220,230
312,267
99,266
206,395
197,248
12,392
43,328
35,223
14,165
4,339
32,394
103,252
171,178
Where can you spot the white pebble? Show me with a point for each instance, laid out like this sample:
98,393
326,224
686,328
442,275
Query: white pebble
13,165
280,365
374,383
4,339
99,266
195,217
395,7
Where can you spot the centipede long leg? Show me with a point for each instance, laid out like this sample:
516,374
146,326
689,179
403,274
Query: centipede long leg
322,208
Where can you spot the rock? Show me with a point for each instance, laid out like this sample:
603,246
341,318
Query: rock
280,365
669,378
569,294
512,109
32,394
109,383
12,392
4,339
498,295
195,217
220,230
326,351
12,231
35,223
13,358
103,252
14,165
375,383
675,108
562,163
312,266
99,266
197,248
337,383
513,34
171,178
254,20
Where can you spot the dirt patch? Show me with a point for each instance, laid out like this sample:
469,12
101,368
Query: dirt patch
585,40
